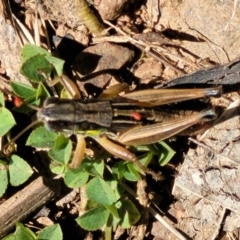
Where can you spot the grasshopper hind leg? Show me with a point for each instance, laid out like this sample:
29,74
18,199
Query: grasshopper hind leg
122,153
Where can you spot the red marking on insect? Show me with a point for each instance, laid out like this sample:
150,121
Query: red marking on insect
136,116
17,101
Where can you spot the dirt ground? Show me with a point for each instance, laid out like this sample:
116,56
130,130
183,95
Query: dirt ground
150,43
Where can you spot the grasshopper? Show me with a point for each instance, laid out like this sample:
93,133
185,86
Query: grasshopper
132,119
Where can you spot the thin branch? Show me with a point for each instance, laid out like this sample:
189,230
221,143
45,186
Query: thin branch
145,48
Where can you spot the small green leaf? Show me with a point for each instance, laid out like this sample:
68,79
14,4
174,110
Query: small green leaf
7,121
59,169
153,149
131,174
65,94
53,232
3,177
115,222
22,90
23,233
75,178
9,237
42,91
33,67
61,142
100,192
19,170
2,101
113,210
62,150
145,159
94,219
95,167
28,51
128,213
118,170
165,153
91,204
57,63
41,138
118,190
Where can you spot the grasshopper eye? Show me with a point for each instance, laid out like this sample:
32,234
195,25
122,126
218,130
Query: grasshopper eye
50,101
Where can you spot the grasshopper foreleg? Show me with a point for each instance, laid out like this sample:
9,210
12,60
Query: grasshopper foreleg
79,152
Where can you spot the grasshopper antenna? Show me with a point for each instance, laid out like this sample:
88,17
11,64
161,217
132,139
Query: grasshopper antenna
7,148
32,106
